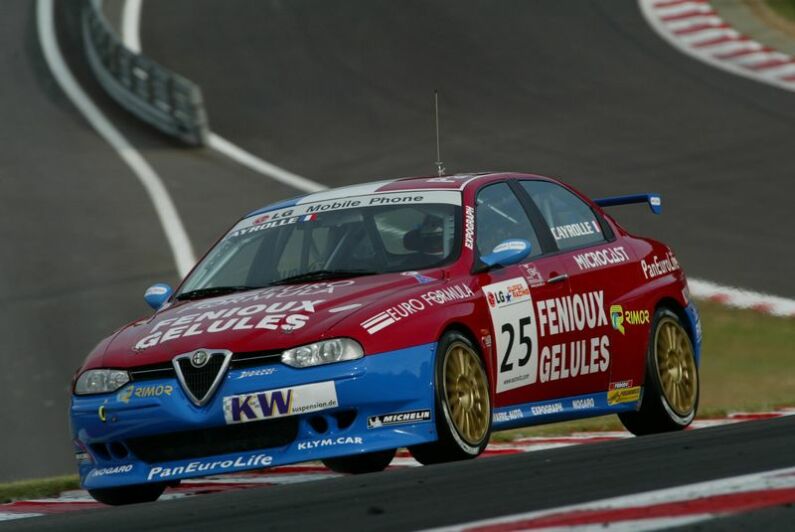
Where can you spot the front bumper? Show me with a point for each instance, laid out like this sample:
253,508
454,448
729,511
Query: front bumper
134,437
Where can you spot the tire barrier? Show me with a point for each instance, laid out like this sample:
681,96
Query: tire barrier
156,95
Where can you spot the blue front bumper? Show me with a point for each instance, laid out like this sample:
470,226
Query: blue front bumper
104,426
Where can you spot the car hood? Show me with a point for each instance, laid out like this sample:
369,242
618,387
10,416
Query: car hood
266,319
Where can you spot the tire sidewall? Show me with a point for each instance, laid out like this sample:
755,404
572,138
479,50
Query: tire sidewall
445,425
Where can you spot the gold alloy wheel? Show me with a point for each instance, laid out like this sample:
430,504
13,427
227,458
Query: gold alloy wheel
676,366
466,392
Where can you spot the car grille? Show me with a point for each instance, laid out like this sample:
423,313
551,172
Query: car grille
239,360
214,441
200,380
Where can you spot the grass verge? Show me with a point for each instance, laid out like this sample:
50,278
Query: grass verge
782,8
34,489
747,364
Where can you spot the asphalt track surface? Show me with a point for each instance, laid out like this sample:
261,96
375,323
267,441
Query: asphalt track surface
341,93
455,493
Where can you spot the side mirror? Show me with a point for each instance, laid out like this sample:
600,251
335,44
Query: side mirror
508,252
157,294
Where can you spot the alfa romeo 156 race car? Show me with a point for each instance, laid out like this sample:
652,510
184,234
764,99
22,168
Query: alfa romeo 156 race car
422,313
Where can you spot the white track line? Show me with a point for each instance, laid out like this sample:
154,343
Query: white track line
131,37
763,481
261,166
130,21
161,200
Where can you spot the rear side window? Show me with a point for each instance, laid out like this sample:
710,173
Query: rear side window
499,216
571,220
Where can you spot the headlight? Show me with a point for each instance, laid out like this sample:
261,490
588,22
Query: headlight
325,352
101,381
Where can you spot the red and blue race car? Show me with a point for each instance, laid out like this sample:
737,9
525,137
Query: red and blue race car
422,313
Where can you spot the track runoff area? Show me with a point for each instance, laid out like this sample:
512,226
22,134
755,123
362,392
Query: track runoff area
660,508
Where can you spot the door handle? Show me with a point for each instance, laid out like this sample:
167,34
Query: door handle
557,278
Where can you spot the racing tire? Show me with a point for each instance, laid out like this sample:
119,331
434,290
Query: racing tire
671,392
462,403
128,494
361,463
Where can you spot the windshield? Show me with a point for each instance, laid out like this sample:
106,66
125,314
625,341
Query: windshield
366,235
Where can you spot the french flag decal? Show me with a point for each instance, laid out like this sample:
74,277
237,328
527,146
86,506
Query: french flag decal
308,217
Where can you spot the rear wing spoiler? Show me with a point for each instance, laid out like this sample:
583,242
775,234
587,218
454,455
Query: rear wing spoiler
654,201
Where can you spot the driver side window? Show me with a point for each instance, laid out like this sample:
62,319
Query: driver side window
499,216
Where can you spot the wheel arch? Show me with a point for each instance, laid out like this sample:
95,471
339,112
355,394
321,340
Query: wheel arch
483,351
673,305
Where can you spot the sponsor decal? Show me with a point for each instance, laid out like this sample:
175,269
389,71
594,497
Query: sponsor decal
601,257
657,267
620,385
102,414
513,318
254,460
618,317
262,372
276,216
573,313
329,442
416,305
400,418
307,211
510,245
469,227
298,291
547,409
486,341
115,470
583,404
458,179
83,457
531,274
280,403
502,417
141,392
262,223
344,308
280,315
563,232
623,395
422,279
156,290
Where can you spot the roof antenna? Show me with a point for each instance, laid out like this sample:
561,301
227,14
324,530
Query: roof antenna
439,164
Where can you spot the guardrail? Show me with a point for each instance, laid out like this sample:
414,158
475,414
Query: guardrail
155,94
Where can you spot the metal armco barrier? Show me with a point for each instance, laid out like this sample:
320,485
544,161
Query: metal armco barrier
158,96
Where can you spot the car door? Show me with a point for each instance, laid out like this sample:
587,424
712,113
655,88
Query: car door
520,372
591,258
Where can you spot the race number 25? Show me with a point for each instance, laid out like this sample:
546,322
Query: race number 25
513,318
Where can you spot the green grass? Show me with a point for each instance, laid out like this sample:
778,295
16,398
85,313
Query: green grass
783,8
747,363
33,489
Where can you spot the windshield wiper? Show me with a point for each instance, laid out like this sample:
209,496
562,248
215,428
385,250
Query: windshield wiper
213,291
319,275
